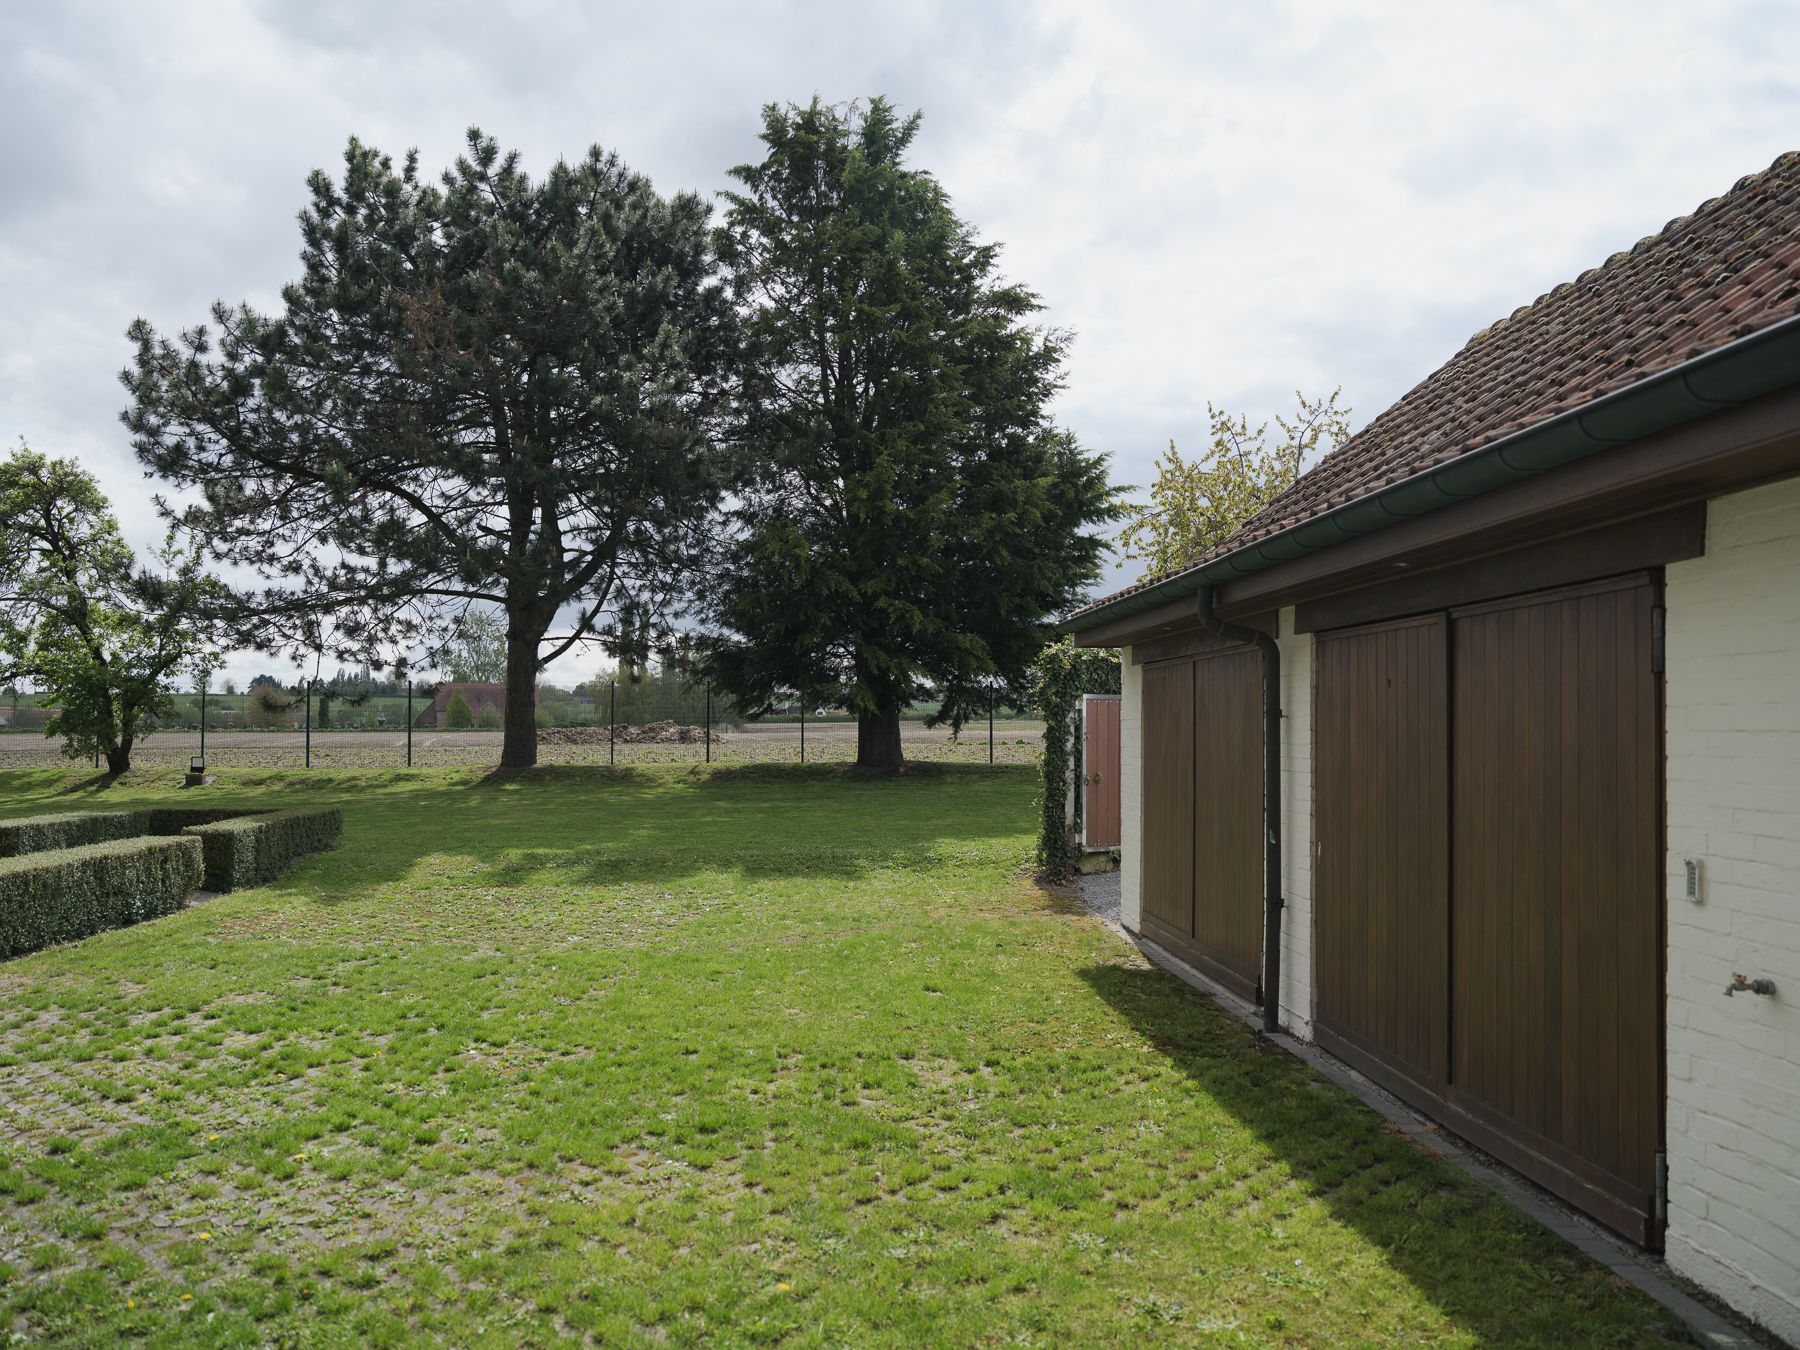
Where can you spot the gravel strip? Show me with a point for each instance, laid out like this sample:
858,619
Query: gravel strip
1100,893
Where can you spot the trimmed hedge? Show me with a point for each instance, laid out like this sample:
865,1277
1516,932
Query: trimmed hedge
72,829
177,819
79,873
249,850
76,892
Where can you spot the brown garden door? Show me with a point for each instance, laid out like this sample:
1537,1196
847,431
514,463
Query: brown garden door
1202,882
1487,888
1099,771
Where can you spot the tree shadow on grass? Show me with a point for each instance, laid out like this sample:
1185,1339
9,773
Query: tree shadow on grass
90,786
727,775
764,822
581,825
1500,1275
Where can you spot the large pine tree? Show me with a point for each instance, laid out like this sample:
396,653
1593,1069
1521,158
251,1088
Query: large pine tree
490,394
912,515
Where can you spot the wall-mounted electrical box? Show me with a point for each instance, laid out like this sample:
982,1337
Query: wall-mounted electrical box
1692,866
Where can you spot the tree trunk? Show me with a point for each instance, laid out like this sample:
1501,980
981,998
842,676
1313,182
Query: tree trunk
518,748
118,759
878,740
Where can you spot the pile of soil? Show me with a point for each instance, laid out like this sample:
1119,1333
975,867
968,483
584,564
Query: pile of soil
651,733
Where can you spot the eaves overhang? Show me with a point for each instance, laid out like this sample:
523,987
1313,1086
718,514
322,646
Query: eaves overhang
1723,378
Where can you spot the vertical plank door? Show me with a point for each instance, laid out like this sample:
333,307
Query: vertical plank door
1228,818
1168,874
1100,771
1381,817
1556,914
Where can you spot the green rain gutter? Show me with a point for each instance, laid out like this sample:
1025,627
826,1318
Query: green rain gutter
1725,377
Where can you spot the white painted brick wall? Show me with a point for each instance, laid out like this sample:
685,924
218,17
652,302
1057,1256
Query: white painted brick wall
1296,827
1733,698
1131,789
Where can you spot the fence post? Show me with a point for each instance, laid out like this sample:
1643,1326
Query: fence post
990,726
309,724
803,728
203,722
612,721
709,724
409,716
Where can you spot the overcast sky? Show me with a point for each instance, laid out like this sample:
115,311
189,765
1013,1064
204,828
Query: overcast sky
1223,201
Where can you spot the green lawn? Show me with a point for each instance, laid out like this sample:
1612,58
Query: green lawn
662,1057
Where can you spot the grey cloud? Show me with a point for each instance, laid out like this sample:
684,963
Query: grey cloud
1224,201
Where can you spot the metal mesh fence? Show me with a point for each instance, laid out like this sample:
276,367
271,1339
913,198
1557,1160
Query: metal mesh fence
658,722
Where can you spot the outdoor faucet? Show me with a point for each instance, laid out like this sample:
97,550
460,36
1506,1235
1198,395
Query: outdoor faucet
1739,985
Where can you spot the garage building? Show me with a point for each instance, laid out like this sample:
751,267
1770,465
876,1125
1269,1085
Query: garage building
1533,637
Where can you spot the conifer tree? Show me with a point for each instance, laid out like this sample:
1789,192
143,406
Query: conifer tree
912,515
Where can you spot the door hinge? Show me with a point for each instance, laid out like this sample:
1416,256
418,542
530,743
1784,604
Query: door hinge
1659,628
1661,1205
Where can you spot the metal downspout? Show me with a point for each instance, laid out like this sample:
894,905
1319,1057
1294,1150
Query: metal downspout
1272,896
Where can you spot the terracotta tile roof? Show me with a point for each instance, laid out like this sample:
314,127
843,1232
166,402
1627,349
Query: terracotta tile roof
1728,270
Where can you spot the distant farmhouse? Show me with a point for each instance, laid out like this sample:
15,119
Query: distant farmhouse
479,697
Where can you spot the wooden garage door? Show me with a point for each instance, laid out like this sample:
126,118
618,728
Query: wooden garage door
1488,879
1228,818
1168,796
1556,914
1203,823
1382,815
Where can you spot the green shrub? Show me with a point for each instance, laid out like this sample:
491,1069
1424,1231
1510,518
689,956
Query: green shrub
489,720
457,714
34,834
75,892
249,850
1060,675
